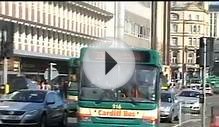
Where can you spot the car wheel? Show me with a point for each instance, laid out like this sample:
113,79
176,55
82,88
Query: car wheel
64,120
176,117
43,122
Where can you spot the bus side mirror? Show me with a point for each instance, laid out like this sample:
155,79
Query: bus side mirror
201,98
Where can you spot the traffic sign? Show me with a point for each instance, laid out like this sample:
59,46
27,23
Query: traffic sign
54,74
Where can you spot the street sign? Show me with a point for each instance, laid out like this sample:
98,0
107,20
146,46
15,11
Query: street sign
55,73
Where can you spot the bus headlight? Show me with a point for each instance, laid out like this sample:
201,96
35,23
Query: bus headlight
150,120
84,117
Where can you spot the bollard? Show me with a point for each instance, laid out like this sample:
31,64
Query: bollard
180,113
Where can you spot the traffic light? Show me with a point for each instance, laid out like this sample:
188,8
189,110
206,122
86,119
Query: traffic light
6,39
199,57
209,52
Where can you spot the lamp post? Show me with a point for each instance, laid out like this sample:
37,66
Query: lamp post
50,72
183,58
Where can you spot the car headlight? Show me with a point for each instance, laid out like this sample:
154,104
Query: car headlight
167,109
31,113
196,104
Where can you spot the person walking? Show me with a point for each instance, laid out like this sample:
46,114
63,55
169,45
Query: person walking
40,85
46,86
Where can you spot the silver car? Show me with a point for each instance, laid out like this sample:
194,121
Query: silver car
190,100
169,106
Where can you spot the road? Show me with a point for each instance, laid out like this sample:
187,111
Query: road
72,122
188,120
194,120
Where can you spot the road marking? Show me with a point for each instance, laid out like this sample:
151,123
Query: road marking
187,121
191,120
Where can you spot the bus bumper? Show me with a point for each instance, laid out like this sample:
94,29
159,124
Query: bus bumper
90,124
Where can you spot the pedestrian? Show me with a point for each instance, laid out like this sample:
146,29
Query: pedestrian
41,84
65,88
46,86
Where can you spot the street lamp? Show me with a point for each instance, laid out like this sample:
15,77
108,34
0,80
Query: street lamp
183,60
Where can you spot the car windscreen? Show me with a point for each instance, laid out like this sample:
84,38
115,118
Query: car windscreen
27,96
166,97
189,94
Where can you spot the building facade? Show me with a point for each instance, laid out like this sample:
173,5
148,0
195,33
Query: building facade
132,23
214,29
52,32
189,22
214,20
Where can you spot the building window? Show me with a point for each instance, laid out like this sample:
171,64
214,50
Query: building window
32,32
27,11
194,28
174,16
173,3
190,41
197,17
199,28
38,16
13,10
136,29
191,54
190,57
190,17
175,28
6,8
141,31
174,57
38,33
26,31
44,17
175,41
20,10
191,28
194,41
133,28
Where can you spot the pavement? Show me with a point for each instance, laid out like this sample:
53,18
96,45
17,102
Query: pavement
188,120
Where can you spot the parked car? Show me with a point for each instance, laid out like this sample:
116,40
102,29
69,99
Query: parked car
169,106
208,90
33,107
190,100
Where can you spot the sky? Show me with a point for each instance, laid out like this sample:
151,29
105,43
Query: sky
215,2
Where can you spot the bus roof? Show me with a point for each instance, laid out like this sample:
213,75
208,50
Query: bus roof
154,56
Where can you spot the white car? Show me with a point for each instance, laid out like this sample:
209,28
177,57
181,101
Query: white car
208,90
190,100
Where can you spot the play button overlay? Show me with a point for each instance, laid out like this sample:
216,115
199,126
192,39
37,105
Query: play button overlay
108,68
110,62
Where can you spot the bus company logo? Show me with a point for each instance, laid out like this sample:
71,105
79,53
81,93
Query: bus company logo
116,106
116,113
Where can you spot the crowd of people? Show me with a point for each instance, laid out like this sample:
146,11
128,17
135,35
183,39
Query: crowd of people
61,88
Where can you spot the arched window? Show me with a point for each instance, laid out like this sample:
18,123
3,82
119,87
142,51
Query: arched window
174,16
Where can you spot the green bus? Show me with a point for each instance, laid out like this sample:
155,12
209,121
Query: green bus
72,91
213,79
96,109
